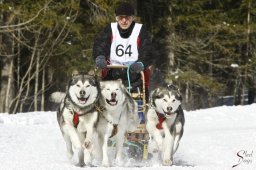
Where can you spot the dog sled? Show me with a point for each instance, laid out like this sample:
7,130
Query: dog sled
137,141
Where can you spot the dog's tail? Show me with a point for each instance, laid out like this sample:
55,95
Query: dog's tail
57,97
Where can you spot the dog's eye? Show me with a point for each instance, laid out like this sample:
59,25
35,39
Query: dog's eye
117,89
88,85
108,89
78,85
173,100
165,100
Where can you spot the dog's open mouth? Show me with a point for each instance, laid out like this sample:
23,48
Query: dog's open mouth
112,102
167,113
83,100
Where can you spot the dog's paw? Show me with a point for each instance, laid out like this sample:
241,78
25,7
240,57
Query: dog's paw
105,163
161,147
80,164
155,150
70,154
77,144
87,144
87,157
119,161
167,162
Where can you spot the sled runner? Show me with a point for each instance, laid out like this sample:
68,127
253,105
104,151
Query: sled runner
136,141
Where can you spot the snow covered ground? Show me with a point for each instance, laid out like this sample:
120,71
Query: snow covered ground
215,138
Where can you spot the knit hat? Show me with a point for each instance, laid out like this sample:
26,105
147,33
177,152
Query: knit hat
124,8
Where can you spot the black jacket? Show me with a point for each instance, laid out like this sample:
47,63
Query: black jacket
102,44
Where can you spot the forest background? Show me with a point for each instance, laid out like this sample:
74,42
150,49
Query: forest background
206,47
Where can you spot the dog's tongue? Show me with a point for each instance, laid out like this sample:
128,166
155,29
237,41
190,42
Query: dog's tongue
112,102
82,100
168,113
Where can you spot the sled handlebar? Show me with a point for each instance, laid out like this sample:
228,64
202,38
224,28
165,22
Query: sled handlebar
116,66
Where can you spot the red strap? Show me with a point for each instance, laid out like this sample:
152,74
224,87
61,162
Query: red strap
160,119
138,41
75,119
147,74
104,73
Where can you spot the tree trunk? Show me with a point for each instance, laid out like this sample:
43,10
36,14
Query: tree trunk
237,90
187,95
36,81
10,88
250,77
43,90
6,84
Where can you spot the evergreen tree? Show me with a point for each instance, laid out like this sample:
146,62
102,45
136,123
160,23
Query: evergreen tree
201,41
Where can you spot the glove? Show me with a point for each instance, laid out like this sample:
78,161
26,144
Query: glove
101,62
137,67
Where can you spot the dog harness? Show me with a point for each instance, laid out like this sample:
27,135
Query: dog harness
115,126
161,119
75,119
76,115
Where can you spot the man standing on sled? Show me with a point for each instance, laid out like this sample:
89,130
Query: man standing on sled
124,42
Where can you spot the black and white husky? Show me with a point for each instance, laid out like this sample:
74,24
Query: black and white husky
165,121
77,115
120,115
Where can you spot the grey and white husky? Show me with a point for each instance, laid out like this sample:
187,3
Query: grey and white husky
77,115
120,115
165,121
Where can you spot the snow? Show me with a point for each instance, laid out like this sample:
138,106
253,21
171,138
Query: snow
214,138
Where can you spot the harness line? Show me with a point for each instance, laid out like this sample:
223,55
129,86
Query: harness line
128,77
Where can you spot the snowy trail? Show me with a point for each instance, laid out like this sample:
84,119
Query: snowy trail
212,139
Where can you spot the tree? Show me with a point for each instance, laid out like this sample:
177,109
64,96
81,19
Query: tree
199,42
38,28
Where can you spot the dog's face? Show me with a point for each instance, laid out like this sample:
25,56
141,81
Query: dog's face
165,101
113,92
83,90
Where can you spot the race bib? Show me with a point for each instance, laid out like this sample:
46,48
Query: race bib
124,51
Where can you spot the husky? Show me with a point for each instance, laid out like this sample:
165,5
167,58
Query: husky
165,121
120,115
77,115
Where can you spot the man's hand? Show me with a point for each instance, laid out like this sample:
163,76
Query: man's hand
137,67
101,62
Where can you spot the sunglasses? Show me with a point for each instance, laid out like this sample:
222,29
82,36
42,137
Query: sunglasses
121,17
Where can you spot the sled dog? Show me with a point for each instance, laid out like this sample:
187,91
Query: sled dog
165,121
120,115
77,115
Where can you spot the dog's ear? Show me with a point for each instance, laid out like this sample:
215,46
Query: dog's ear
102,84
75,73
120,80
91,73
74,79
178,96
93,81
171,87
155,93
123,88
